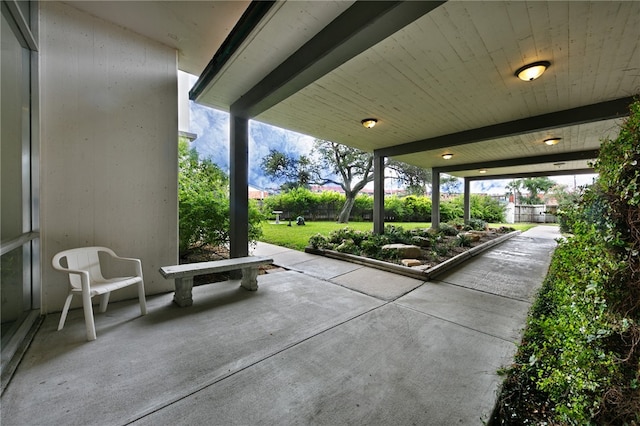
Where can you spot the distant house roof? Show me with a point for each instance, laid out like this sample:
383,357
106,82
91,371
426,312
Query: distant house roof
257,193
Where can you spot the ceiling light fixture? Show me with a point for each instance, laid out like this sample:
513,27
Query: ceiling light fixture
532,71
447,156
552,141
369,122
482,171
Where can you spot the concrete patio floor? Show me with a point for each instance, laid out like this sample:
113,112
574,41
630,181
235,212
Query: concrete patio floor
325,342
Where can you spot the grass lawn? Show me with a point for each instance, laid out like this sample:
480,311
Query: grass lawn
297,237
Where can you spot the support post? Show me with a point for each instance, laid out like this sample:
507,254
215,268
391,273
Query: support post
467,201
378,194
239,187
183,296
435,198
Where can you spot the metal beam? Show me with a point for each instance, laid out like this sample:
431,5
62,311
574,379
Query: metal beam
524,161
570,117
245,25
358,28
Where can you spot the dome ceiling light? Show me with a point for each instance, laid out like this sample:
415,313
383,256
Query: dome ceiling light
532,71
369,122
552,141
447,156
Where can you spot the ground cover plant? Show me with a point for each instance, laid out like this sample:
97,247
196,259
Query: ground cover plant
579,361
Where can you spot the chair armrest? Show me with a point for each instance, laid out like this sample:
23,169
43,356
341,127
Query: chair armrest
84,276
137,262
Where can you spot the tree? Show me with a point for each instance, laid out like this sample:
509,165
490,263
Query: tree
296,172
416,179
354,167
513,188
450,184
203,203
330,162
537,188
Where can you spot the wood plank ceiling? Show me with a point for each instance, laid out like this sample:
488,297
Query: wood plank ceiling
441,82
452,71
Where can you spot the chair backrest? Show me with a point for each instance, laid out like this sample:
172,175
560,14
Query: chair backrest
83,258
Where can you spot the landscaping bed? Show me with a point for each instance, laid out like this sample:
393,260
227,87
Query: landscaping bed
419,253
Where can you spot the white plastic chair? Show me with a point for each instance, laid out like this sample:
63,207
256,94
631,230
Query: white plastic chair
86,279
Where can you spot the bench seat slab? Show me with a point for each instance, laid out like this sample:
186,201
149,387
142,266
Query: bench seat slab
183,275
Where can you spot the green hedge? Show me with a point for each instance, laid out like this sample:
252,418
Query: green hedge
411,208
579,361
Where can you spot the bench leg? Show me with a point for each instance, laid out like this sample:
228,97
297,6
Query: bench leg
183,297
249,278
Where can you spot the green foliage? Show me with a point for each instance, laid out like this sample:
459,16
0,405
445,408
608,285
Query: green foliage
358,242
394,208
477,224
565,348
297,237
464,240
619,167
446,229
411,208
416,208
567,212
579,359
536,188
203,203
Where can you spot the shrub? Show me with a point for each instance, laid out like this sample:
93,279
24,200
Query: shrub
464,241
477,224
319,241
578,361
203,203
451,210
446,229
416,209
394,208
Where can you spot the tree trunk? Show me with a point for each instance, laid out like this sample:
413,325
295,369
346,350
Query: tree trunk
343,217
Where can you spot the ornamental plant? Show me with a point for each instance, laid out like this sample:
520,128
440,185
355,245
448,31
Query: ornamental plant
579,360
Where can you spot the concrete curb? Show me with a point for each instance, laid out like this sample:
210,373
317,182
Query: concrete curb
424,275
455,261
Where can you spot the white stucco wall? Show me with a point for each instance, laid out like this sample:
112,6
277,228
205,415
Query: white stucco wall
109,125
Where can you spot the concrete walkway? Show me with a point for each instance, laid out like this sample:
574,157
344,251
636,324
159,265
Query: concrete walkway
325,342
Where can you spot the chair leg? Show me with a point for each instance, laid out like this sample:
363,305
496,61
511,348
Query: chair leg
104,301
65,310
88,316
143,301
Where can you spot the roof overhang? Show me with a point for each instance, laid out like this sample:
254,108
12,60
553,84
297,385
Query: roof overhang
439,77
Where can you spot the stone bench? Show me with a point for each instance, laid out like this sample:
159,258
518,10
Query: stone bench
183,274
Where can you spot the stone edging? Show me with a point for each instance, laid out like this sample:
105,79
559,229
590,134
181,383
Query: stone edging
426,274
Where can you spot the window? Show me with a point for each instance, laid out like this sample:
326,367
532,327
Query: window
19,261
